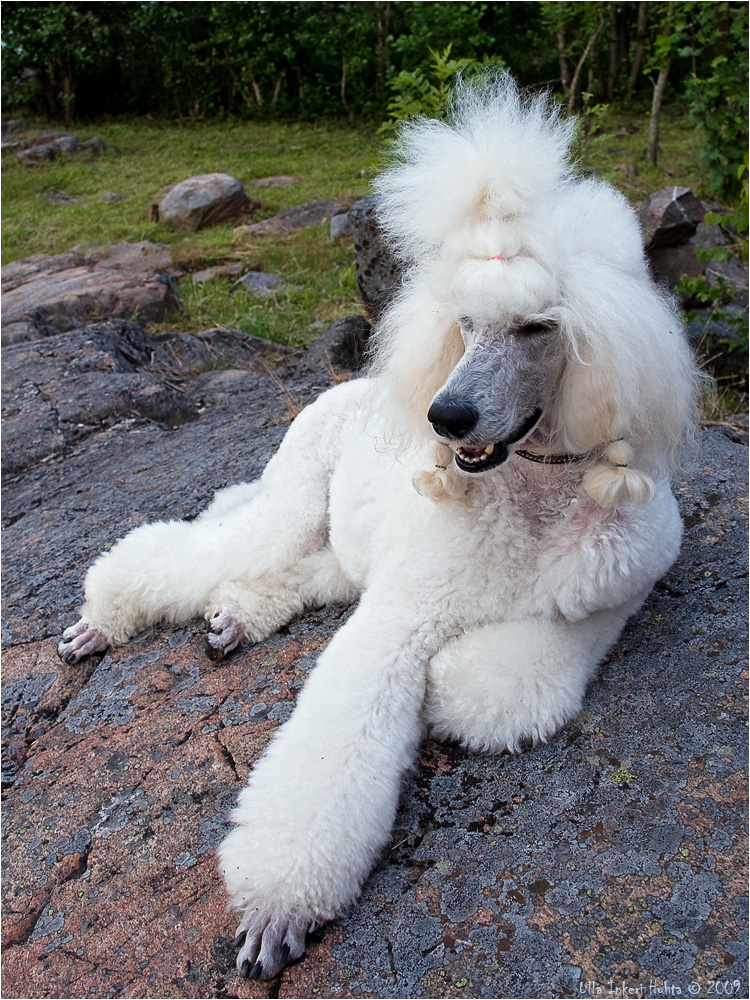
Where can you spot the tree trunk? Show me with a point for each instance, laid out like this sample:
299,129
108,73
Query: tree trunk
68,96
382,48
640,45
614,61
564,67
652,153
575,85
343,87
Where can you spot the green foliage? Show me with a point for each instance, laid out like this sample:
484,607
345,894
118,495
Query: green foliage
718,97
298,58
427,93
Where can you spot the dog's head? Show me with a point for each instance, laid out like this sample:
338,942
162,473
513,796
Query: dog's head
498,392
527,307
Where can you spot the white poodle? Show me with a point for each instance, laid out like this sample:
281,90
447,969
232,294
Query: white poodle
496,495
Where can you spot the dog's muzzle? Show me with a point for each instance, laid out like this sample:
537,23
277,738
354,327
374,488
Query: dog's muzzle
482,459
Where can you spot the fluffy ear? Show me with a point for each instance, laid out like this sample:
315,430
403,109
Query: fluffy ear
419,344
630,373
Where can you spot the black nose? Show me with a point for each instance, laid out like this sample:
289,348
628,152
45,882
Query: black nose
452,419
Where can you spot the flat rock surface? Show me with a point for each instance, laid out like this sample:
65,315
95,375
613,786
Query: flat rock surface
47,294
298,217
614,852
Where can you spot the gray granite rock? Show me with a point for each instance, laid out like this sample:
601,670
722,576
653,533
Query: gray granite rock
50,150
670,216
259,283
341,225
46,294
204,200
378,271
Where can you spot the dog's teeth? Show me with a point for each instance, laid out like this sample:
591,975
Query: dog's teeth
489,449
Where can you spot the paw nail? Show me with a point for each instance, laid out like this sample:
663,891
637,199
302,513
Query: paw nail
211,651
284,954
239,939
256,972
245,969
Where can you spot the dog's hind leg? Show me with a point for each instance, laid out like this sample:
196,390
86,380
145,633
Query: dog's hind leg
499,686
170,571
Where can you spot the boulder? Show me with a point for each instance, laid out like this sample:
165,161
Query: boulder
342,348
670,217
378,271
59,390
671,264
299,217
204,200
45,294
14,125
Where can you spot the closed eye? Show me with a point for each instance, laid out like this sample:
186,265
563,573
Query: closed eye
534,329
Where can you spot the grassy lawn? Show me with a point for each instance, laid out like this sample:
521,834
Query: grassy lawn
146,157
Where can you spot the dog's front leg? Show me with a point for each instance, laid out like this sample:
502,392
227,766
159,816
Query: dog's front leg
319,806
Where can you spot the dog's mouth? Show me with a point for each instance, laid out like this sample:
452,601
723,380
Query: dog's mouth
492,455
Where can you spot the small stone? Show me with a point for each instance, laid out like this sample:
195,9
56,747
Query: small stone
276,181
112,196
340,225
259,283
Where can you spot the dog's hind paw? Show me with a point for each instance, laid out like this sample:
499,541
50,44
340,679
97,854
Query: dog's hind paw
267,945
227,632
81,640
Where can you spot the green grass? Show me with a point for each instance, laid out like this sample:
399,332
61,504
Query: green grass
146,157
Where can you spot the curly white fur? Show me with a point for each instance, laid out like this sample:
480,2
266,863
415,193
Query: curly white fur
488,594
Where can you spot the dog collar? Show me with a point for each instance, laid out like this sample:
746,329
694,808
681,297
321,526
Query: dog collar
562,459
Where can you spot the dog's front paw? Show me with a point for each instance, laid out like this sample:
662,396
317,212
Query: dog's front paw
268,942
227,632
81,640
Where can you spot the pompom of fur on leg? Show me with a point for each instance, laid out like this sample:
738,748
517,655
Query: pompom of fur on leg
443,482
613,483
